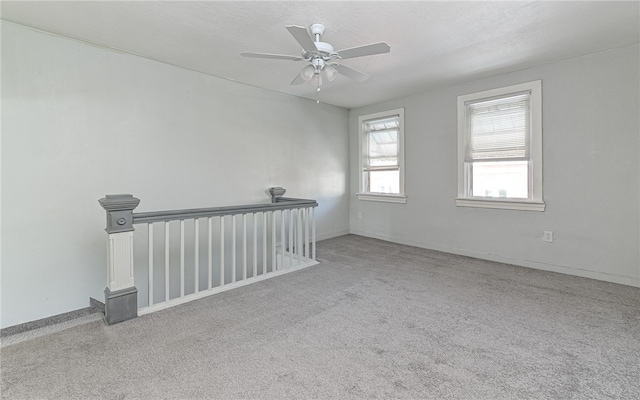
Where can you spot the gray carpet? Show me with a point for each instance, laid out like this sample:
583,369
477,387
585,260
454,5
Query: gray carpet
373,320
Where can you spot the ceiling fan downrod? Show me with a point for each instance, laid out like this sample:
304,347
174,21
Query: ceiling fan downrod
317,30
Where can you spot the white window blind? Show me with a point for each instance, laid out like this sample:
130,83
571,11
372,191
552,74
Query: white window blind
498,129
382,143
381,156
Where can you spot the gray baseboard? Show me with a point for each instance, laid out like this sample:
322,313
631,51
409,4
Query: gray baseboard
95,306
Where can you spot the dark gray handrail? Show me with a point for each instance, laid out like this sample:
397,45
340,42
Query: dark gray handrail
172,215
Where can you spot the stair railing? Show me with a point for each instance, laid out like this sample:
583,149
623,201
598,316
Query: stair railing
224,248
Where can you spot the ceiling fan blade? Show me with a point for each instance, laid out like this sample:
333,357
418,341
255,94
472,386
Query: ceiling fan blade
351,73
272,56
301,35
298,80
366,50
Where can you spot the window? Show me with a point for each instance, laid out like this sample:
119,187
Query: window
381,139
500,148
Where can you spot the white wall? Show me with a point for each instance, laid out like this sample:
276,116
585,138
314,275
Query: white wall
79,121
591,174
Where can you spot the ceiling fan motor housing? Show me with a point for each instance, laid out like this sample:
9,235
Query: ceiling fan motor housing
324,48
325,51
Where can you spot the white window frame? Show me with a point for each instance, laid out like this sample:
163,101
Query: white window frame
369,196
535,201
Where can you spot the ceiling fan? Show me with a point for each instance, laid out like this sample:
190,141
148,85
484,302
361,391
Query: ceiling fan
324,62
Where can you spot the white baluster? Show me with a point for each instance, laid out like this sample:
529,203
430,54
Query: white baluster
283,238
196,251
290,238
209,251
264,242
222,250
181,258
299,235
166,261
150,226
273,240
233,248
313,233
244,246
306,233
255,245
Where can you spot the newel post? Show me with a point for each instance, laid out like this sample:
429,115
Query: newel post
276,193
121,296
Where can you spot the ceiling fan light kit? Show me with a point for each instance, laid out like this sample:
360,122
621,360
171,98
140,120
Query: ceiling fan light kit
324,62
307,72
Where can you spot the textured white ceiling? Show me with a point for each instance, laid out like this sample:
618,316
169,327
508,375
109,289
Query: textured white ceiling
432,43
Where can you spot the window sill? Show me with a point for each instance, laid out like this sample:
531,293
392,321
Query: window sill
521,205
387,198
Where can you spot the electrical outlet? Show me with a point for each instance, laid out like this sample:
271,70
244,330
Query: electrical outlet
359,214
547,236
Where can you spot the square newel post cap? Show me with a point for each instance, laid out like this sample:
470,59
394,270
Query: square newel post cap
119,209
276,193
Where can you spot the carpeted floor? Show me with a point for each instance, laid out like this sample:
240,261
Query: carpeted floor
373,320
